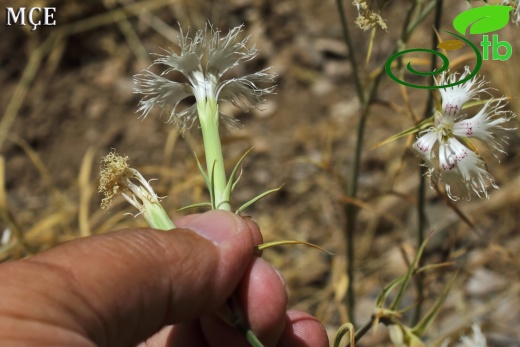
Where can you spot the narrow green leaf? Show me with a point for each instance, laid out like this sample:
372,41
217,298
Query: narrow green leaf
408,275
231,182
434,266
203,173
420,126
255,199
426,321
211,187
236,181
289,242
199,204
381,298
342,331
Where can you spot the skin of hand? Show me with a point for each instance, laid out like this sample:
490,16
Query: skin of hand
161,287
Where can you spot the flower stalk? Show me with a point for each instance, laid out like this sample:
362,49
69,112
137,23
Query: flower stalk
421,193
209,123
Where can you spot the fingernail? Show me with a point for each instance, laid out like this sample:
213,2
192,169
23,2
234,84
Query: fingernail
216,226
250,221
282,279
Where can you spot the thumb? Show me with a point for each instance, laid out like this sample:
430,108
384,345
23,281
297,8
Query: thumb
121,287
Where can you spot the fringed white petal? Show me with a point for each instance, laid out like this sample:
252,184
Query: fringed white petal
222,54
476,340
227,52
515,14
185,64
424,146
453,98
487,126
188,61
243,92
185,119
160,91
463,172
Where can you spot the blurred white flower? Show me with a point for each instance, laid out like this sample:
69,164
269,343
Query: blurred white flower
446,147
476,340
205,84
515,4
5,236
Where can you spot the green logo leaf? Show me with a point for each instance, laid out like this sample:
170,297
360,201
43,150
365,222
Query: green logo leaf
482,20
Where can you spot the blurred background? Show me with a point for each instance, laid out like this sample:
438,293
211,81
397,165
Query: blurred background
67,100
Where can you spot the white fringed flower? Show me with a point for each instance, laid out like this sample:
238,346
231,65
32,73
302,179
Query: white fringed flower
515,14
446,148
477,339
205,84
453,98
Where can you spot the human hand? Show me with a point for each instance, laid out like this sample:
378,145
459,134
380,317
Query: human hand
161,287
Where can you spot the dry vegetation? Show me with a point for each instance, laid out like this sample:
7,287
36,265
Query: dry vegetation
67,100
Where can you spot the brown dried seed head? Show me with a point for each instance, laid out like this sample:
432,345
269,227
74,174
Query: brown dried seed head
112,171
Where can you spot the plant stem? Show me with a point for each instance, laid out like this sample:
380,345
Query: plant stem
363,330
209,122
253,340
156,216
350,209
421,197
421,224
351,55
409,28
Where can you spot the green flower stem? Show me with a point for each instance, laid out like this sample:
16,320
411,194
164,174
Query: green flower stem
156,216
350,210
252,339
209,122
